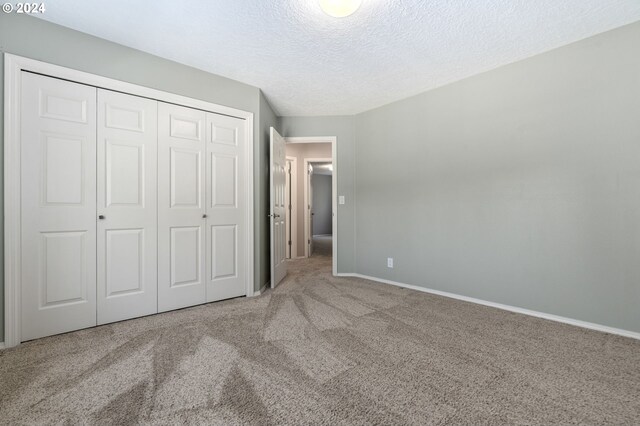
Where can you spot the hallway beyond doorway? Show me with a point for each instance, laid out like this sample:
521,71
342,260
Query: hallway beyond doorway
322,245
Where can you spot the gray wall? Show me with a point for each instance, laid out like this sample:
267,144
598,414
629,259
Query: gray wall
301,151
321,204
343,128
519,186
34,38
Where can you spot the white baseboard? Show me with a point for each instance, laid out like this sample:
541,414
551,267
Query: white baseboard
1,345
262,289
350,274
551,317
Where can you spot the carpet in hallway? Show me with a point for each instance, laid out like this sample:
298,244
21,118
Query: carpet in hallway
322,245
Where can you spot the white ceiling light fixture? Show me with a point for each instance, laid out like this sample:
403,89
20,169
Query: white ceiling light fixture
340,8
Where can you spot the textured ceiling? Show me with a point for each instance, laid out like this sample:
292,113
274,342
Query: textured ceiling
310,64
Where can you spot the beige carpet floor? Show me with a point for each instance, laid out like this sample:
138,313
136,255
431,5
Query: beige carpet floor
322,245
325,350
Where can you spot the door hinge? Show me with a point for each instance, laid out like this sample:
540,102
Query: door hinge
308,241
289,242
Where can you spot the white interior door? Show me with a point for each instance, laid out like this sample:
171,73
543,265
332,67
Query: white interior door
127,206
226,207
277,181
310,209
181,207
287,204
58,176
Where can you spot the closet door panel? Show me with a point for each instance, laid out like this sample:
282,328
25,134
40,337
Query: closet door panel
127,206
58,178
181,207
226,207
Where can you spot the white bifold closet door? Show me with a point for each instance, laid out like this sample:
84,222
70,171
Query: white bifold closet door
181,207
58,178
130,206
226,207
201,207
127,206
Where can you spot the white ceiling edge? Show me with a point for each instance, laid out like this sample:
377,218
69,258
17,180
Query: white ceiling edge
308,64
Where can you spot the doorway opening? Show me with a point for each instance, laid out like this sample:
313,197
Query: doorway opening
311,163
319,214
291,201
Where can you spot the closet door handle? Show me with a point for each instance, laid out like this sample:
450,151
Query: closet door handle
204,216
101,217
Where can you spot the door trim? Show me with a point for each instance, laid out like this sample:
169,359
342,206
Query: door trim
333,140
13,67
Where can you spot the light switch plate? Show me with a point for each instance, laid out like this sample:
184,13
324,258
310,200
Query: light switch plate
341,199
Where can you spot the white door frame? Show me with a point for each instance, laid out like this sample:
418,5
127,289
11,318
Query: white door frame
307,219
293,202
333,140
13,67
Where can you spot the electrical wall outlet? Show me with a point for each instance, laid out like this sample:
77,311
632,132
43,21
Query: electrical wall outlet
341,199
389,262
